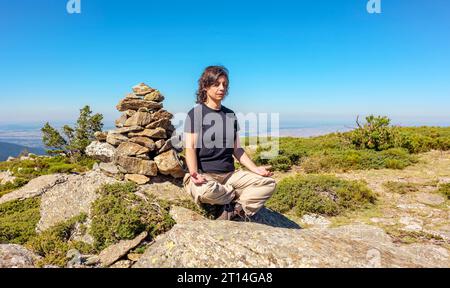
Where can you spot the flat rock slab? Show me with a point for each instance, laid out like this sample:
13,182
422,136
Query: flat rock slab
430,199
114,252
70,198
16,256
35,187
207,243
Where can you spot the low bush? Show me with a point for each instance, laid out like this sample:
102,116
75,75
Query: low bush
444,189
320,194
11,186
18,220
54,243
344,160
119,214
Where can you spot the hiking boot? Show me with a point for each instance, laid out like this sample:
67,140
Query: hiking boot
232,211
238,213
226,212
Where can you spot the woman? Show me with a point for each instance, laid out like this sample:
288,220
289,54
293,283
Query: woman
212,139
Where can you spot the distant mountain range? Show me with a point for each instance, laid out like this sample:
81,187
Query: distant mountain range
10,149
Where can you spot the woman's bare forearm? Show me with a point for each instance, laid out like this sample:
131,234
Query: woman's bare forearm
243,158
191,160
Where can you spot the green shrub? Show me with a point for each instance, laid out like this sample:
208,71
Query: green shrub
85,162
344,160
445,189
281,163
332,152
18,220
11,186
375,134
375,145
320,194
119,214
38,166
293,150
54,243
62,168
423,139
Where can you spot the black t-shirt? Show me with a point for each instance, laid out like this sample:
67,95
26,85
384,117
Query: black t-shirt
216,133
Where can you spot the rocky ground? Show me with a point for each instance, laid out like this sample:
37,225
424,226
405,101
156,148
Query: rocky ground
421,211
404,229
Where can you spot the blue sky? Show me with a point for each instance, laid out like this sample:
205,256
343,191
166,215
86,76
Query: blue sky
312,60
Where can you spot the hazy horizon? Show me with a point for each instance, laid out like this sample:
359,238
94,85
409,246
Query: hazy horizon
30,135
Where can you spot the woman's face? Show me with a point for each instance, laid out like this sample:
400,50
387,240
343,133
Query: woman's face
217,91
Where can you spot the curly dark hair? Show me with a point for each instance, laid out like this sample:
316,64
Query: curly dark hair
209,77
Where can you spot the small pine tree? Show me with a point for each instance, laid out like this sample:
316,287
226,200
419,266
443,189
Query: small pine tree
375,134
75,140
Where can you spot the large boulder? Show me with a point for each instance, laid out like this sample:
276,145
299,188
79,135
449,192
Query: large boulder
236,244
71,198
168,164
35,187
16,256
101,151
134,165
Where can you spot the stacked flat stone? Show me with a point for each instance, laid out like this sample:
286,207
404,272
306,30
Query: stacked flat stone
140,147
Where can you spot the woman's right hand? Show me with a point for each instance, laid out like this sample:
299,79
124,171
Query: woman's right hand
198,179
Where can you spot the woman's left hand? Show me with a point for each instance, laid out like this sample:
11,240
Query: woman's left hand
263,171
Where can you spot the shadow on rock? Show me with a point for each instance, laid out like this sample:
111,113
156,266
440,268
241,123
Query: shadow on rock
165,178
271,218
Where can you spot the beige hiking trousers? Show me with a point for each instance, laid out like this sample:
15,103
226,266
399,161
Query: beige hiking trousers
247,188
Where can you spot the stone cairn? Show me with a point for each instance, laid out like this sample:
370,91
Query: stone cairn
140,147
